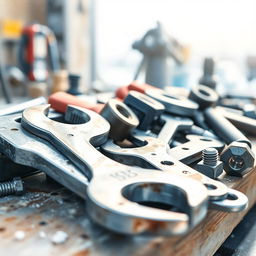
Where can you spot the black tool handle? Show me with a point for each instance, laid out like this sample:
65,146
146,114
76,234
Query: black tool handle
224,128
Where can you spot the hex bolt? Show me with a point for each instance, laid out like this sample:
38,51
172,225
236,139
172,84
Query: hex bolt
210,164
210,156
238,157
14,187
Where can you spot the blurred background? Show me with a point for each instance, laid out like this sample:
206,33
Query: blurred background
98,43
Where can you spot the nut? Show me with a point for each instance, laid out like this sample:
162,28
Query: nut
212,171
238,158
18,185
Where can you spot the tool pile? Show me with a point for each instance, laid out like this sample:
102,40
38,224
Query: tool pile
148,162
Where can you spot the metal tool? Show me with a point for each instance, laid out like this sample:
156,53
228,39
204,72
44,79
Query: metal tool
115,190
235,202
37,45
238,157
26,149
176,105
153,154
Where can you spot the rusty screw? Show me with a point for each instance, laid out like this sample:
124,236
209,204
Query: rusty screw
14,187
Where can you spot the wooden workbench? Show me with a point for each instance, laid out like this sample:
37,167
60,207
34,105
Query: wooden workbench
47,208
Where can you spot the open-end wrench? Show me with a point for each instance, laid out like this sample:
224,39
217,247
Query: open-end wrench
115,190
26,149
153,154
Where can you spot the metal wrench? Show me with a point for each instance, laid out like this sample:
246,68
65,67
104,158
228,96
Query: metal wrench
26,149
153,154
115,190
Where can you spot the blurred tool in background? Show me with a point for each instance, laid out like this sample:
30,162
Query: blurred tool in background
37,55
208,77
157,48
38,47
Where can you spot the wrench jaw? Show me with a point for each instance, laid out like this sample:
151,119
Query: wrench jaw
122,207
154,153
235,202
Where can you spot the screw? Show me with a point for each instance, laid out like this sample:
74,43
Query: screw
14,187
210,156
210,164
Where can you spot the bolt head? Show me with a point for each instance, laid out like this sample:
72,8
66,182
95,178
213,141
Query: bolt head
238,159
18,184
213,171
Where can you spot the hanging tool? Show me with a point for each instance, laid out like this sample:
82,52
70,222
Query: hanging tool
37,47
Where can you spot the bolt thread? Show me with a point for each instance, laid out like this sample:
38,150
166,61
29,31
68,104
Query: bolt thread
7,188
210,156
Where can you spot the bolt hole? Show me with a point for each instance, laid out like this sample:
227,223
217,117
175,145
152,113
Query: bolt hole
70,135
232,197
84,236
167,162
210,186
205,93
153,154
123,111
14,129
54,194
42,223
204,139
185,148
185,172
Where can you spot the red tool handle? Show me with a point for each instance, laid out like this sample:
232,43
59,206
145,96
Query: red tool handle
123,91
60,100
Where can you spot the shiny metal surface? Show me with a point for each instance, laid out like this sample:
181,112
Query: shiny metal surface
115,190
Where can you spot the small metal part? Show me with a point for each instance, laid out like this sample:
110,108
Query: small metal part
121,118
238,158
210,164
204,96
14,187
235,202
74,84
145,108
174,104
208,78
